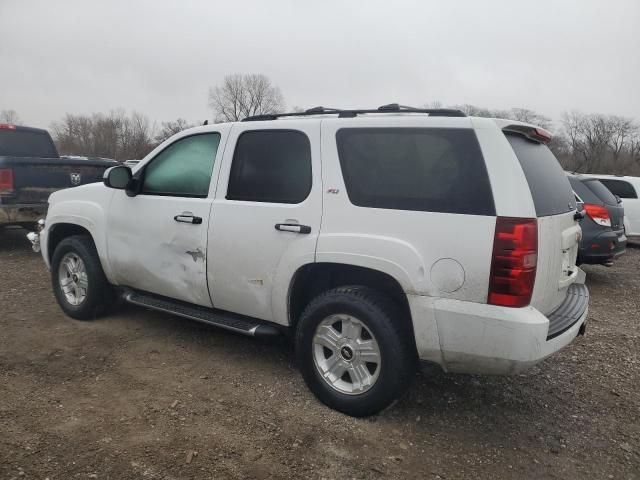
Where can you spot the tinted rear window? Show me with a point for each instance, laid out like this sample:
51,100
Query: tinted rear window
550,189
620,187
20,143
271,166
602,192
586,195
425,169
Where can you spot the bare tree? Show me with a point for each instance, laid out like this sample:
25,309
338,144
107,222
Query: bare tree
241,96
112,135
135,137
10,116
529,116
601,143
167,129
433,104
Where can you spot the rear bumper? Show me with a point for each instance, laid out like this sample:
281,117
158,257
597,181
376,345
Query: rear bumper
603,248
21,214
487,339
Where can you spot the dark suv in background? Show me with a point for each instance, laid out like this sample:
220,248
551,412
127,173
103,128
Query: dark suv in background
603,236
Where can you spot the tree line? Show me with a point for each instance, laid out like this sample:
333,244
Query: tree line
582,142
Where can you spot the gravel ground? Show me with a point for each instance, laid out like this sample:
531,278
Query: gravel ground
141,394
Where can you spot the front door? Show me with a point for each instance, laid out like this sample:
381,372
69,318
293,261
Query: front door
157,240
266,216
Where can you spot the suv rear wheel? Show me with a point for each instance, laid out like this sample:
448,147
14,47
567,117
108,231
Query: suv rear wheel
354,350
79,283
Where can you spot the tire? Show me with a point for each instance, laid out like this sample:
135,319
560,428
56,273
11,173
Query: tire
98,295
354,309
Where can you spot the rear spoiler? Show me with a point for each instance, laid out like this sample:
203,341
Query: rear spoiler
536,134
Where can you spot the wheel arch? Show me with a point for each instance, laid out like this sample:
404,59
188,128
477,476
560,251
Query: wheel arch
314,278
59,231
62,228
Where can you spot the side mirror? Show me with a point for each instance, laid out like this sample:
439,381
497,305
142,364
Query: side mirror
117,177
618,199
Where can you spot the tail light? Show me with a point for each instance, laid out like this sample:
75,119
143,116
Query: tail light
6,181
514,262
598,214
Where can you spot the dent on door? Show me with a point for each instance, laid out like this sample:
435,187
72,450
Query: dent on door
176,255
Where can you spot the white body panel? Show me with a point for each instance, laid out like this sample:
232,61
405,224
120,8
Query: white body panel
251,264
631,205
149,250
237,261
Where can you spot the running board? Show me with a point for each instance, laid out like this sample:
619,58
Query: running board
218,318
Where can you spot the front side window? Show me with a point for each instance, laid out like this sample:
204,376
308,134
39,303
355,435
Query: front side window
271,166
183,169
620,188
424,169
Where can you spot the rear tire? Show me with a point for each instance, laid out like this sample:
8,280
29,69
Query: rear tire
355,351
79,283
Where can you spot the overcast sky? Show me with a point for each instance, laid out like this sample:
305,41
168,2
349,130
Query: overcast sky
160,57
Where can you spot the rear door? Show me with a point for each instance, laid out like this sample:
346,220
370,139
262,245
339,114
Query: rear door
266,216
558,232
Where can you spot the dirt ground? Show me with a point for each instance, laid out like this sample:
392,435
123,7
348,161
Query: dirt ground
137,394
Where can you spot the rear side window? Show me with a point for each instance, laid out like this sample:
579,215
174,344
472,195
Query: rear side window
271,166
21,143
602,192
547,181
423,169
620,187
585,195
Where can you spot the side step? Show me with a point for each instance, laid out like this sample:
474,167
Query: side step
218,318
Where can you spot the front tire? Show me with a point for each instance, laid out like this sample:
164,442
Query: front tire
355,350
79,283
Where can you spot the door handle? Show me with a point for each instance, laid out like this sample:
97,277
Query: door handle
293,227
188,218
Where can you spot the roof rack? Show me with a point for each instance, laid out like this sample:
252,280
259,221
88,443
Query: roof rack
390,108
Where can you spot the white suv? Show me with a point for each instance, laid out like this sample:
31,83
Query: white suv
374,237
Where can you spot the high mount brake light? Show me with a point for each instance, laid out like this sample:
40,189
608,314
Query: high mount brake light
6,126
538,134
542,134
598,214
514,262
6,181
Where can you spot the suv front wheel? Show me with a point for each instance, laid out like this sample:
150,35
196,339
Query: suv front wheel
354,350
79,283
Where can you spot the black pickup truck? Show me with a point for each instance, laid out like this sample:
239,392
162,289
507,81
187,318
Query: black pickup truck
31,169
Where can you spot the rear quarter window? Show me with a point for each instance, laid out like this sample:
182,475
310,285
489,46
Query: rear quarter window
586,195
550,189
620,187
419,169
602,192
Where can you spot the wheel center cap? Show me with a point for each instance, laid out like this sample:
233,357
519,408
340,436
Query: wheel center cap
346,352
74,277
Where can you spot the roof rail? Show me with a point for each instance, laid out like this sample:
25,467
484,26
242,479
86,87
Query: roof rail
390,108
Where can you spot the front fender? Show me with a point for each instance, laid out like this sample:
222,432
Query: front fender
88,214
